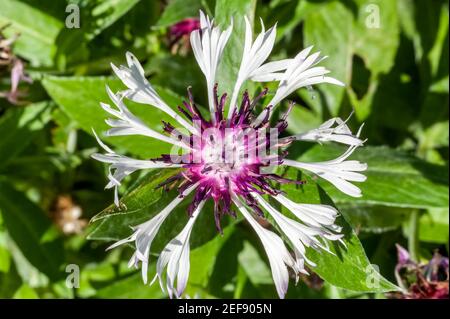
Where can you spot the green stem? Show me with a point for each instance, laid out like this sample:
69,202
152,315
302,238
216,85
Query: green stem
413,235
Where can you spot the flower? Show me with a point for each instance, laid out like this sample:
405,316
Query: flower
179,34
327,133
16,67
421,281
225,157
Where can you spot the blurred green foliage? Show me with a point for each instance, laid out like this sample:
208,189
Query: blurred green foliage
393,56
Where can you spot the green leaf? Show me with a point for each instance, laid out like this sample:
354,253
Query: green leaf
342,31
348,267
184,71
80,97
27,225
326,21
5,259
132,287
10,283
177,10
433,226
107,12
38,31
256,277
94,18
257,272
394,178
301,119
374,218
25,292
288,15
227,10
431,38
27,273
222,279
99,272
18,127
440,86
144,202
204,259
254,273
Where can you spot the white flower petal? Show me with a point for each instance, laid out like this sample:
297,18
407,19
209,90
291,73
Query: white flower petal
123,166
300,72
279,256
205,22
338,171
208,45
175,259
267,77
140,90
312,214
144,234
309,233
295,233
271,68
254,55
183,273
128,124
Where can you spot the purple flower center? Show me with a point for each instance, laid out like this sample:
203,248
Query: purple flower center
227,155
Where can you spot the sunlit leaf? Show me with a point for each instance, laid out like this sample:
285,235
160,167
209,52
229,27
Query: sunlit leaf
38,31
18,127
27,225
394,178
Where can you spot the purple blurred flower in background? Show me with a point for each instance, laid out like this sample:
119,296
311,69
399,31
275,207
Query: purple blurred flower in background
421,281
11,63
179,35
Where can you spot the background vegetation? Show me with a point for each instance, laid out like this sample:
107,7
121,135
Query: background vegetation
397,83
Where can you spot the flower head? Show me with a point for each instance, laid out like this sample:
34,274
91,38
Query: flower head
226,157
179,34
184,27
421,281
